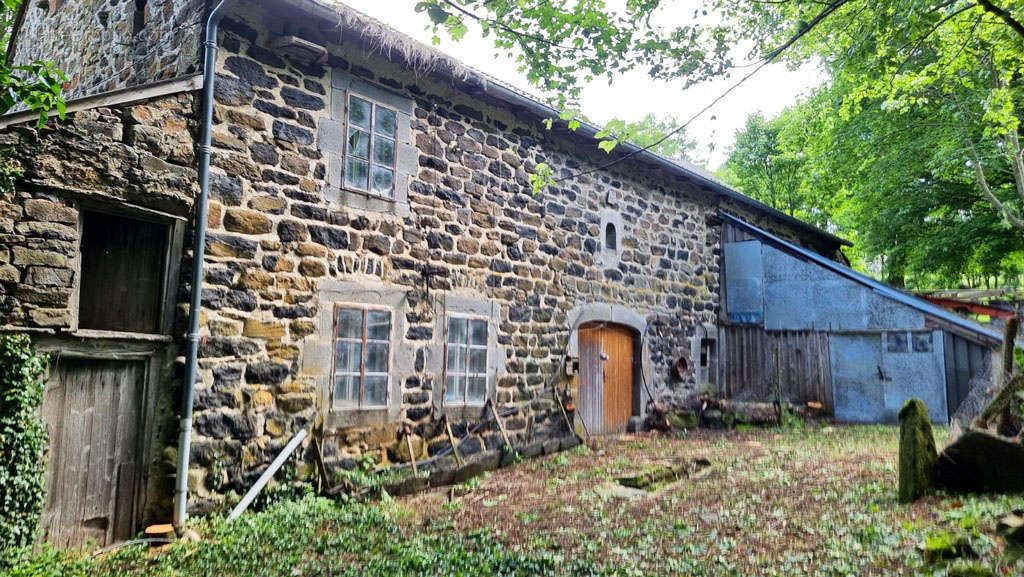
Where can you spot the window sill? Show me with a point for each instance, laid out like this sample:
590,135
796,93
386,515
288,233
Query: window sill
121,336
344,417
369,195
464,412
362,200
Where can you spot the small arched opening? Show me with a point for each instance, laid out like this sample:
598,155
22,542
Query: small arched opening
611,237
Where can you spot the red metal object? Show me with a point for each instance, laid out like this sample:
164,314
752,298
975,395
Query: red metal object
969,307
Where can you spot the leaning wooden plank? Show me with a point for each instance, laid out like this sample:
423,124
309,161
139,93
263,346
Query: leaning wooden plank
1000,404
267,475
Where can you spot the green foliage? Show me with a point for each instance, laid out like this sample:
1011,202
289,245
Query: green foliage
760,166
790,420
9,174
22,441
943,545
661,136
366,476
313,537
541,176
37,86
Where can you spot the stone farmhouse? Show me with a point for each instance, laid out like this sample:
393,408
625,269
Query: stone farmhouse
375,268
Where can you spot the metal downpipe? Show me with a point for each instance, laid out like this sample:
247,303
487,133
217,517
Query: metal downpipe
198,250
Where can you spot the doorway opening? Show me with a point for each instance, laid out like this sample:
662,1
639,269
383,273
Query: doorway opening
608,380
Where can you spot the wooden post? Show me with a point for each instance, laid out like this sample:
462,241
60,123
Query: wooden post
776,357
1009,344
501,426
565,415
321,478
412,455
451,439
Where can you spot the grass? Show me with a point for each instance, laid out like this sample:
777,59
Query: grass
818,502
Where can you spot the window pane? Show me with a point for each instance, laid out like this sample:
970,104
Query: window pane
384,152
385,121
476,390
897,343
457,331
383,181
346,389
376,390
478,333
356,172
922,342
358,143
359,112
456,359
453,389
349,357
478,361
376,358
378,325
350,323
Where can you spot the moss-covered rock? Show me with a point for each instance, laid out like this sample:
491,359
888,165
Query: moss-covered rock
946,545
969,570
917,452
682,420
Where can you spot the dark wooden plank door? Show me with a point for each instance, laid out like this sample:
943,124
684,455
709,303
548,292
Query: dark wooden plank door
607,377
122,273
92,409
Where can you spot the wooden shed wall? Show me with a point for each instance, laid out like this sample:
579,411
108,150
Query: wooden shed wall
749,366
966,361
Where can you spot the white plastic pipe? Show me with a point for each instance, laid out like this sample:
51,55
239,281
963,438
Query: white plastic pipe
267,475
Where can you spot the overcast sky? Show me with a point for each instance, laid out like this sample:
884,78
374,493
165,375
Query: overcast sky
633,96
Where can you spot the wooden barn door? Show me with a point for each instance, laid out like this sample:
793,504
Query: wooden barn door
92,413
608,395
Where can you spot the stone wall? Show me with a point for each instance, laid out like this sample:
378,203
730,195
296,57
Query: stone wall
474,225
101,45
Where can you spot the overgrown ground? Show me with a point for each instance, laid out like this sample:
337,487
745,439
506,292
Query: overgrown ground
807,502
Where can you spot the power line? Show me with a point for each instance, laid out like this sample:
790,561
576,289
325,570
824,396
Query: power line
769,58
667,135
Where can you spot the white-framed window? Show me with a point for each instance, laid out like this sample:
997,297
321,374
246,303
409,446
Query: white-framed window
371,150
362,356
465,361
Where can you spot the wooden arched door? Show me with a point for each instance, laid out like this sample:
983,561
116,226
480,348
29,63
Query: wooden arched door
608,395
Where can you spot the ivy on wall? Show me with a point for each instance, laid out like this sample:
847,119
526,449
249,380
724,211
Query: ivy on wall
22,441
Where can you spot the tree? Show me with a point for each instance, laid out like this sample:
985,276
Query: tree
760,166
663,136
